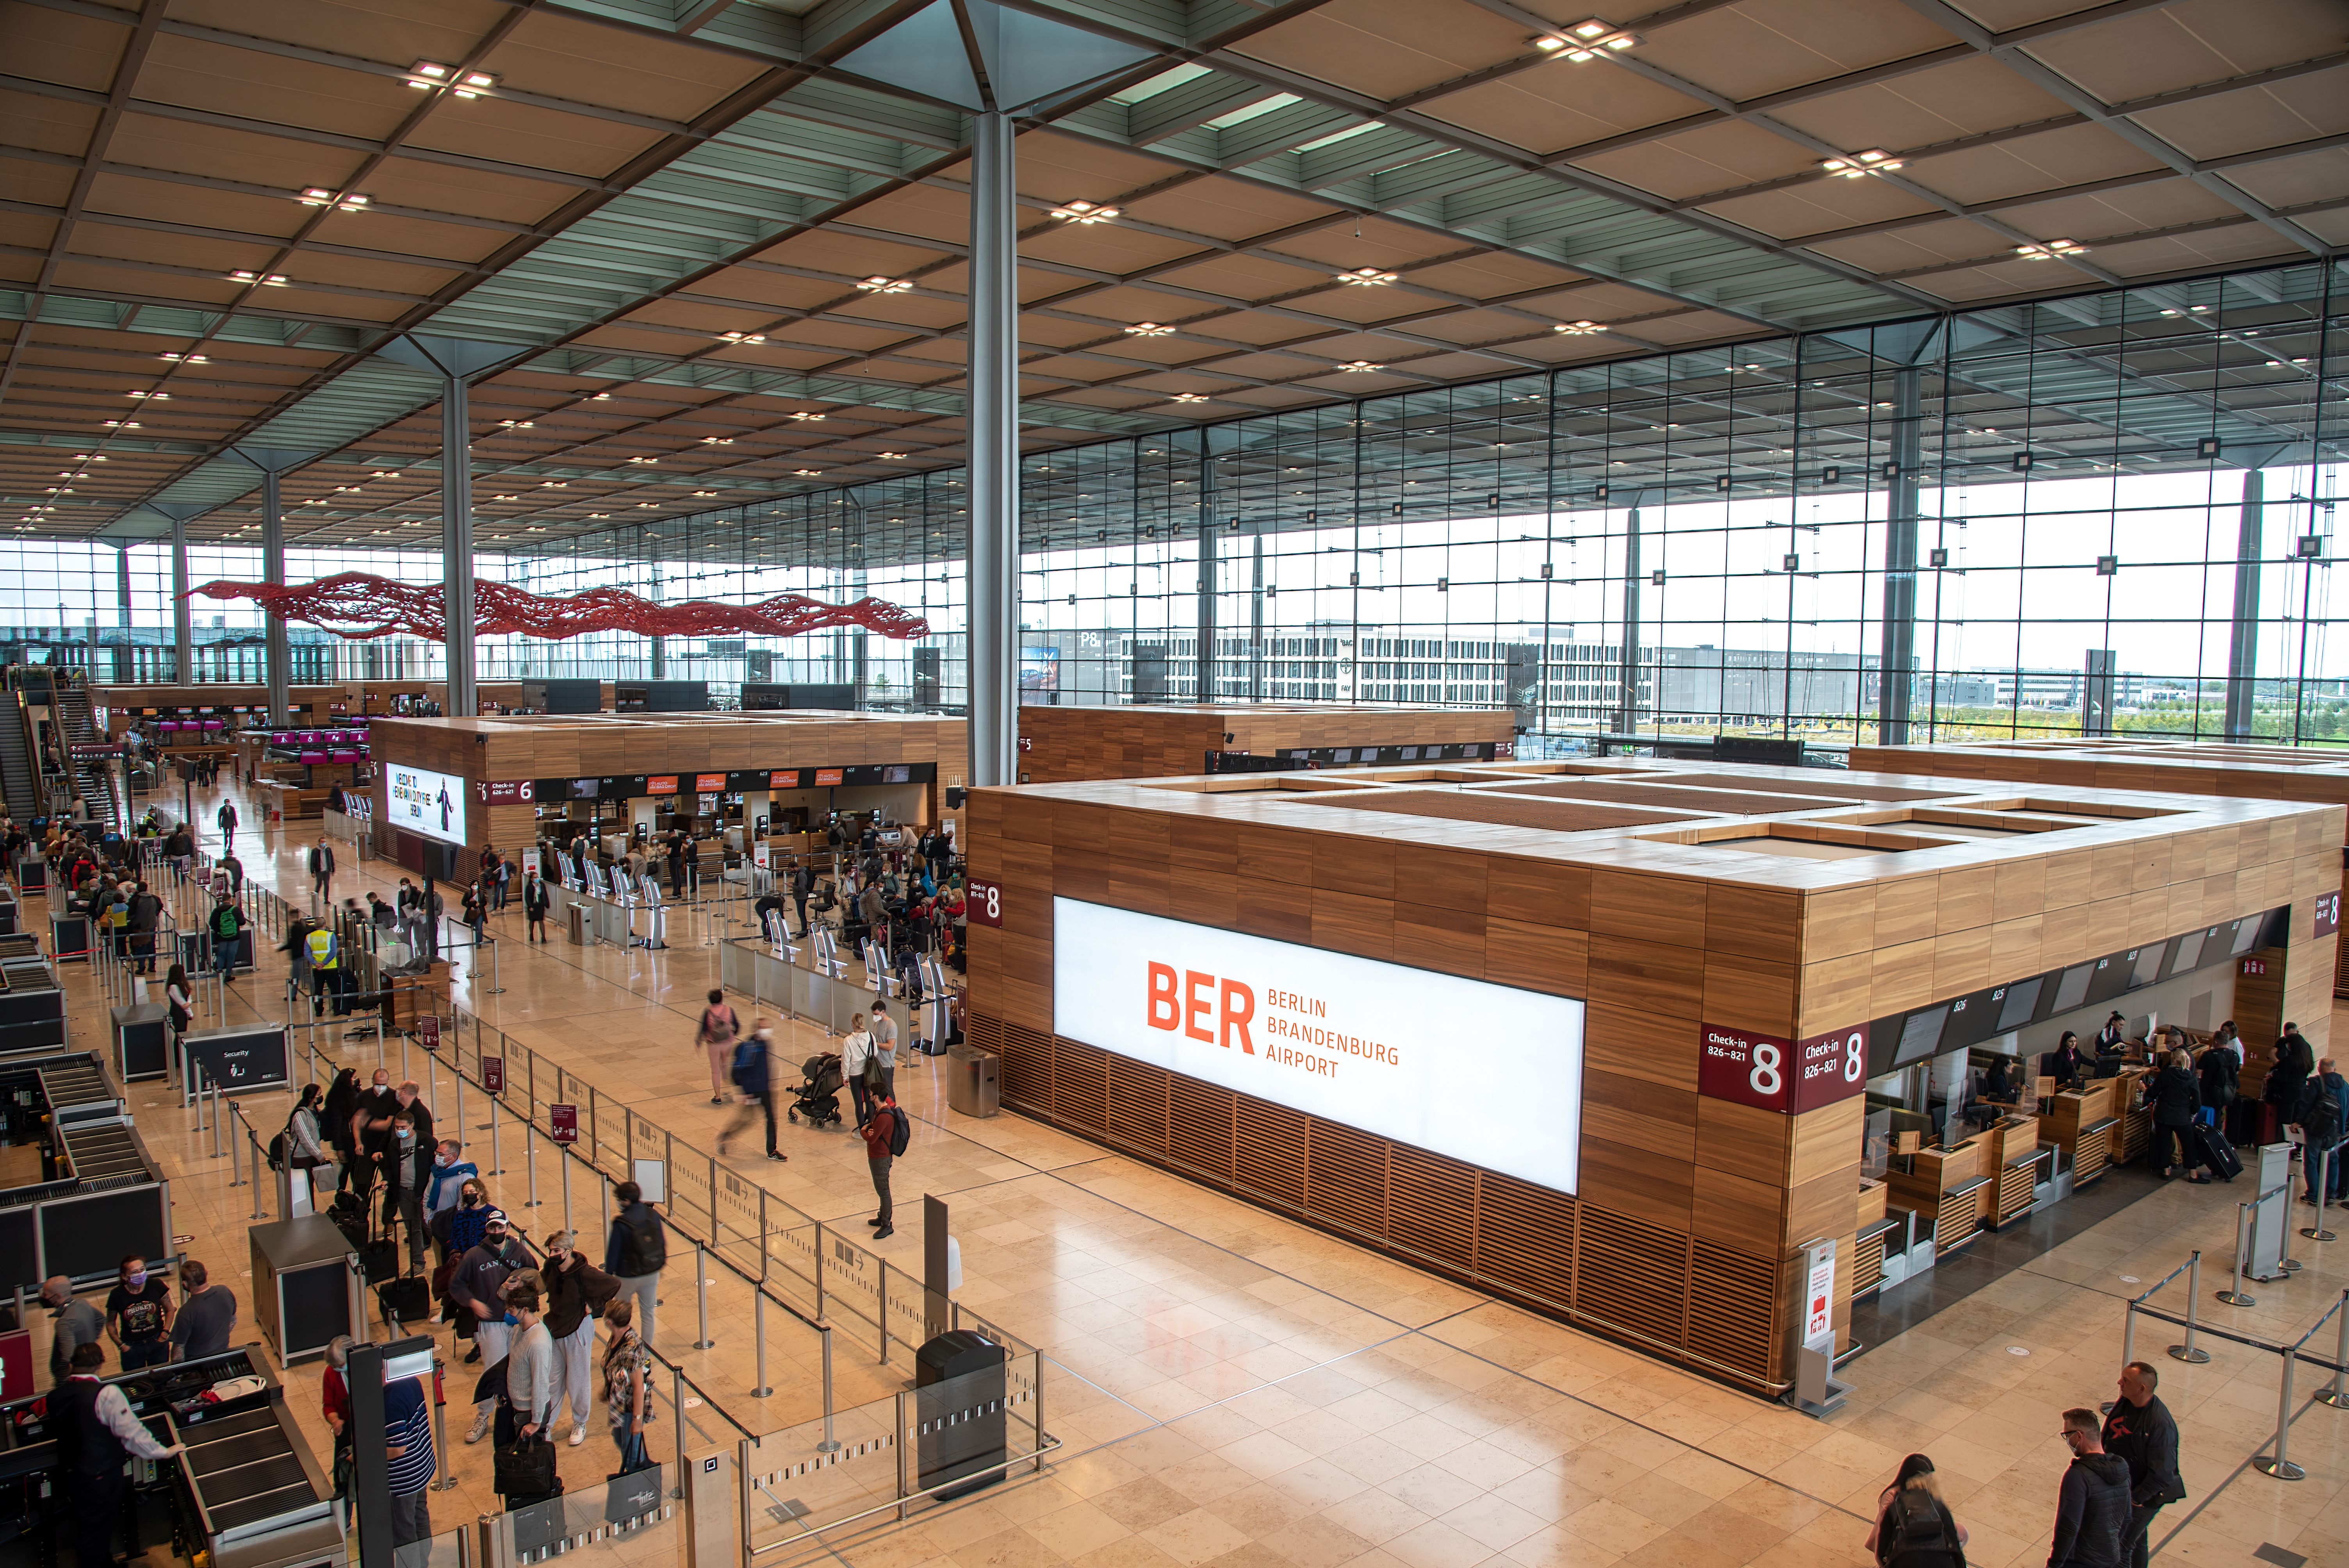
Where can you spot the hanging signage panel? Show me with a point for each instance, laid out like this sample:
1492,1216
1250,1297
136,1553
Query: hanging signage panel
1379,1046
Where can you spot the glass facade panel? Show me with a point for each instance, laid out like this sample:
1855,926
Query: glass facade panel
1983,513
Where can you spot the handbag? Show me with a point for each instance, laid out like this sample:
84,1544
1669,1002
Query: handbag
526,1468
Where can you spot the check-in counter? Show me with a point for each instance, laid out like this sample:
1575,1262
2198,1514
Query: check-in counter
2132,1115
2011,1151
1947,1185
2080,1122
1875,1225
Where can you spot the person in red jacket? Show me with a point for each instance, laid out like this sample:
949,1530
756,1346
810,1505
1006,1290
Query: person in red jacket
880,1131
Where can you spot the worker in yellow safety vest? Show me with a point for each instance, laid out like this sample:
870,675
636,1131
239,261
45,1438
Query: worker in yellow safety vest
326,967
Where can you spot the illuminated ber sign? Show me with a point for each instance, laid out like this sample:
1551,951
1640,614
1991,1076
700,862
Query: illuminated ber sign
1485,1074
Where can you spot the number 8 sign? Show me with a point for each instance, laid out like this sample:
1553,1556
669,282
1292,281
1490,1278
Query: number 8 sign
1781,1075
983,903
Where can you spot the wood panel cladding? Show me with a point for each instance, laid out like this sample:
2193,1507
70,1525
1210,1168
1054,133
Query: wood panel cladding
1683,1233
1502,1235
1066,744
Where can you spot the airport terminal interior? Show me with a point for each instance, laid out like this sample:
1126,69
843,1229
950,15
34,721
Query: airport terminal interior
1272,783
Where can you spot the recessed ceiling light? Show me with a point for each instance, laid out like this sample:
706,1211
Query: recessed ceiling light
188,359
2047,250
1190,396
646,505
601,397
644,460
1367,277
158,396
119,424
319,196
893,457
518,424
1583,39
1577,328
273,280
385,474
876,284
807,417
808,473
705,494
427,75
1874,160
716,440
1083,212
1358,366
1148,329
743,337
554,484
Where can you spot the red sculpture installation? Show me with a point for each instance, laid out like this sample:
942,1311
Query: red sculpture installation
359,604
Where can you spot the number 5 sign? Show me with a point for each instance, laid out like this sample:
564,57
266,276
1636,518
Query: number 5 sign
983,903
1775,1074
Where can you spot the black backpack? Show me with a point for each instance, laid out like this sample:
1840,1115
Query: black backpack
647,1251
901,1131
2319,1114
1917,1532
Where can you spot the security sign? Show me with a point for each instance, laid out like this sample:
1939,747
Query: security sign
562,1124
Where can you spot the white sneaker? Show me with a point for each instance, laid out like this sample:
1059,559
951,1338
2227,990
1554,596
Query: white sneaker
481,1429
578,1433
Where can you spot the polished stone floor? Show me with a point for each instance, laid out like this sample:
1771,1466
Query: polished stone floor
1235,1389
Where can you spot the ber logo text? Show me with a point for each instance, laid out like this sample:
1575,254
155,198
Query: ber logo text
1390,1048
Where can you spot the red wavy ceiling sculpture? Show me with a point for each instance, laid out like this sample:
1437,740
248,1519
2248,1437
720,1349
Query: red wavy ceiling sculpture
359,604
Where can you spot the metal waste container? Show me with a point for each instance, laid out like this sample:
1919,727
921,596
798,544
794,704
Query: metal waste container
974,1081
574,923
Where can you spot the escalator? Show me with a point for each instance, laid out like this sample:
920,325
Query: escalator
69,708
19,780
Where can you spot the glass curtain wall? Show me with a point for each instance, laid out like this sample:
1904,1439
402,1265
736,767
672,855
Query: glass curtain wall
2106,512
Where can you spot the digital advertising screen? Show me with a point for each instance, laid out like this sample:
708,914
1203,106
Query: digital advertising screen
1379,1046
425,802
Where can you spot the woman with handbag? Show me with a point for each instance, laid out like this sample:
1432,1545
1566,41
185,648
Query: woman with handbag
180,997
627,1384
306,1151
524,1465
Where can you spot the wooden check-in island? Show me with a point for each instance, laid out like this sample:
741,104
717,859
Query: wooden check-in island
1752,1006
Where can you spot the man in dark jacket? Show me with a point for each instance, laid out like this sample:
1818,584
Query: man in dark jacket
2091,1507
634,1251
753,1075
2294,1061
476,1286
576,1294
2141,1433
2322,1116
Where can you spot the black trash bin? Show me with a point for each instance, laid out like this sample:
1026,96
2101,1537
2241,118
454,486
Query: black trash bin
958,1408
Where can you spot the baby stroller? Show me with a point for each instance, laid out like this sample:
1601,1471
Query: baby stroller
819,1092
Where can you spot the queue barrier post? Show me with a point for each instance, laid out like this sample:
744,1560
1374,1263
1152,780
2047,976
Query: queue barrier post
2337,1396
2279,1464
2188,1352
2317,1232
2235,1297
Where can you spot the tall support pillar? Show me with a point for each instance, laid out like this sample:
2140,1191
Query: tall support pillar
2243,639
183,634
1899,640
993,586
273,571
125,664
457,542
1256,624
1205,679
1628,716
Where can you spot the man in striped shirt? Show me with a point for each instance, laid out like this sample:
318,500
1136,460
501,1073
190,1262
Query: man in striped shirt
408,1446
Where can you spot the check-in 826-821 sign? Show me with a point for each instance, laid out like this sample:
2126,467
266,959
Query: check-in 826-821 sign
1781,1075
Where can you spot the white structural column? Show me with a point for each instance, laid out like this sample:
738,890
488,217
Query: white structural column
993,592
457,543
273,571
184,638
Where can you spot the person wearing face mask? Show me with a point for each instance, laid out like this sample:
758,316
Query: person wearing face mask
451,1173
576,1294
475,1286
406,1166
138,1315
74,1322
206,1318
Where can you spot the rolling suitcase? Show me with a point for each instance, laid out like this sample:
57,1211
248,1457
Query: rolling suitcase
2211,1149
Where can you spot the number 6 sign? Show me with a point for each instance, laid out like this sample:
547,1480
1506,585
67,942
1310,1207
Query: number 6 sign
983,903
